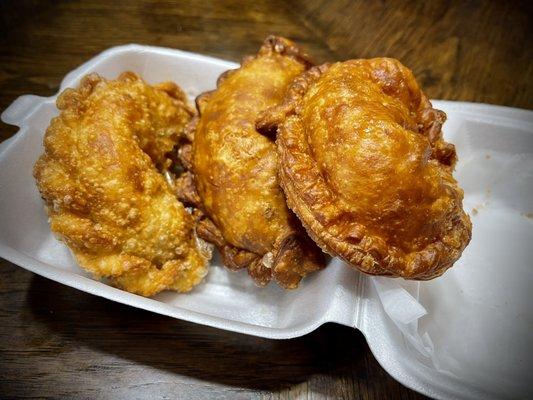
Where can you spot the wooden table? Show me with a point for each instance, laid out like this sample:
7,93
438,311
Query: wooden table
58,342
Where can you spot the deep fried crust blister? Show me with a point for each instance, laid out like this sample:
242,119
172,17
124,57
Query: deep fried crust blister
232,169
101,176
364,166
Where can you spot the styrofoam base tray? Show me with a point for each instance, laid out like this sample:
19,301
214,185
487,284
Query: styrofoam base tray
468,334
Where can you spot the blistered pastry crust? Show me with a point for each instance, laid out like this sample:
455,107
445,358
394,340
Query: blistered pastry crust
106,197
232,171
364,166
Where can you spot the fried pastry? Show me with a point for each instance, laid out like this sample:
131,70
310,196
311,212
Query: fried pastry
101,178
234,171
364,166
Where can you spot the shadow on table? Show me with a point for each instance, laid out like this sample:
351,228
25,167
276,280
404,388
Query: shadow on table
183,348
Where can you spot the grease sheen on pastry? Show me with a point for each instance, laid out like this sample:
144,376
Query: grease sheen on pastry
364,166
235,171
100,176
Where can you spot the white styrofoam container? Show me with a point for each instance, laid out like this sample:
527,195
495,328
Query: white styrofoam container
468,334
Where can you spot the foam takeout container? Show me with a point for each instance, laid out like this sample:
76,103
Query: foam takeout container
467,334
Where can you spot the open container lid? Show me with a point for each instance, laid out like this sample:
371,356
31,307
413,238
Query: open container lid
467,334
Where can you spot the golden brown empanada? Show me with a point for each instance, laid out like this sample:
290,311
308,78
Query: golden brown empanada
100,176
234,171
364,166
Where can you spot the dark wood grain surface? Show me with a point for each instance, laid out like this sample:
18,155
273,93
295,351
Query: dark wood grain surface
58,342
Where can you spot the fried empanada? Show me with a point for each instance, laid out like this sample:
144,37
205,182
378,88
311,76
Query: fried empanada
234,171
364,166
100,176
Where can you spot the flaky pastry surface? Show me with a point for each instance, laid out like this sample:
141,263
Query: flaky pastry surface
106,198
235,171
364,166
